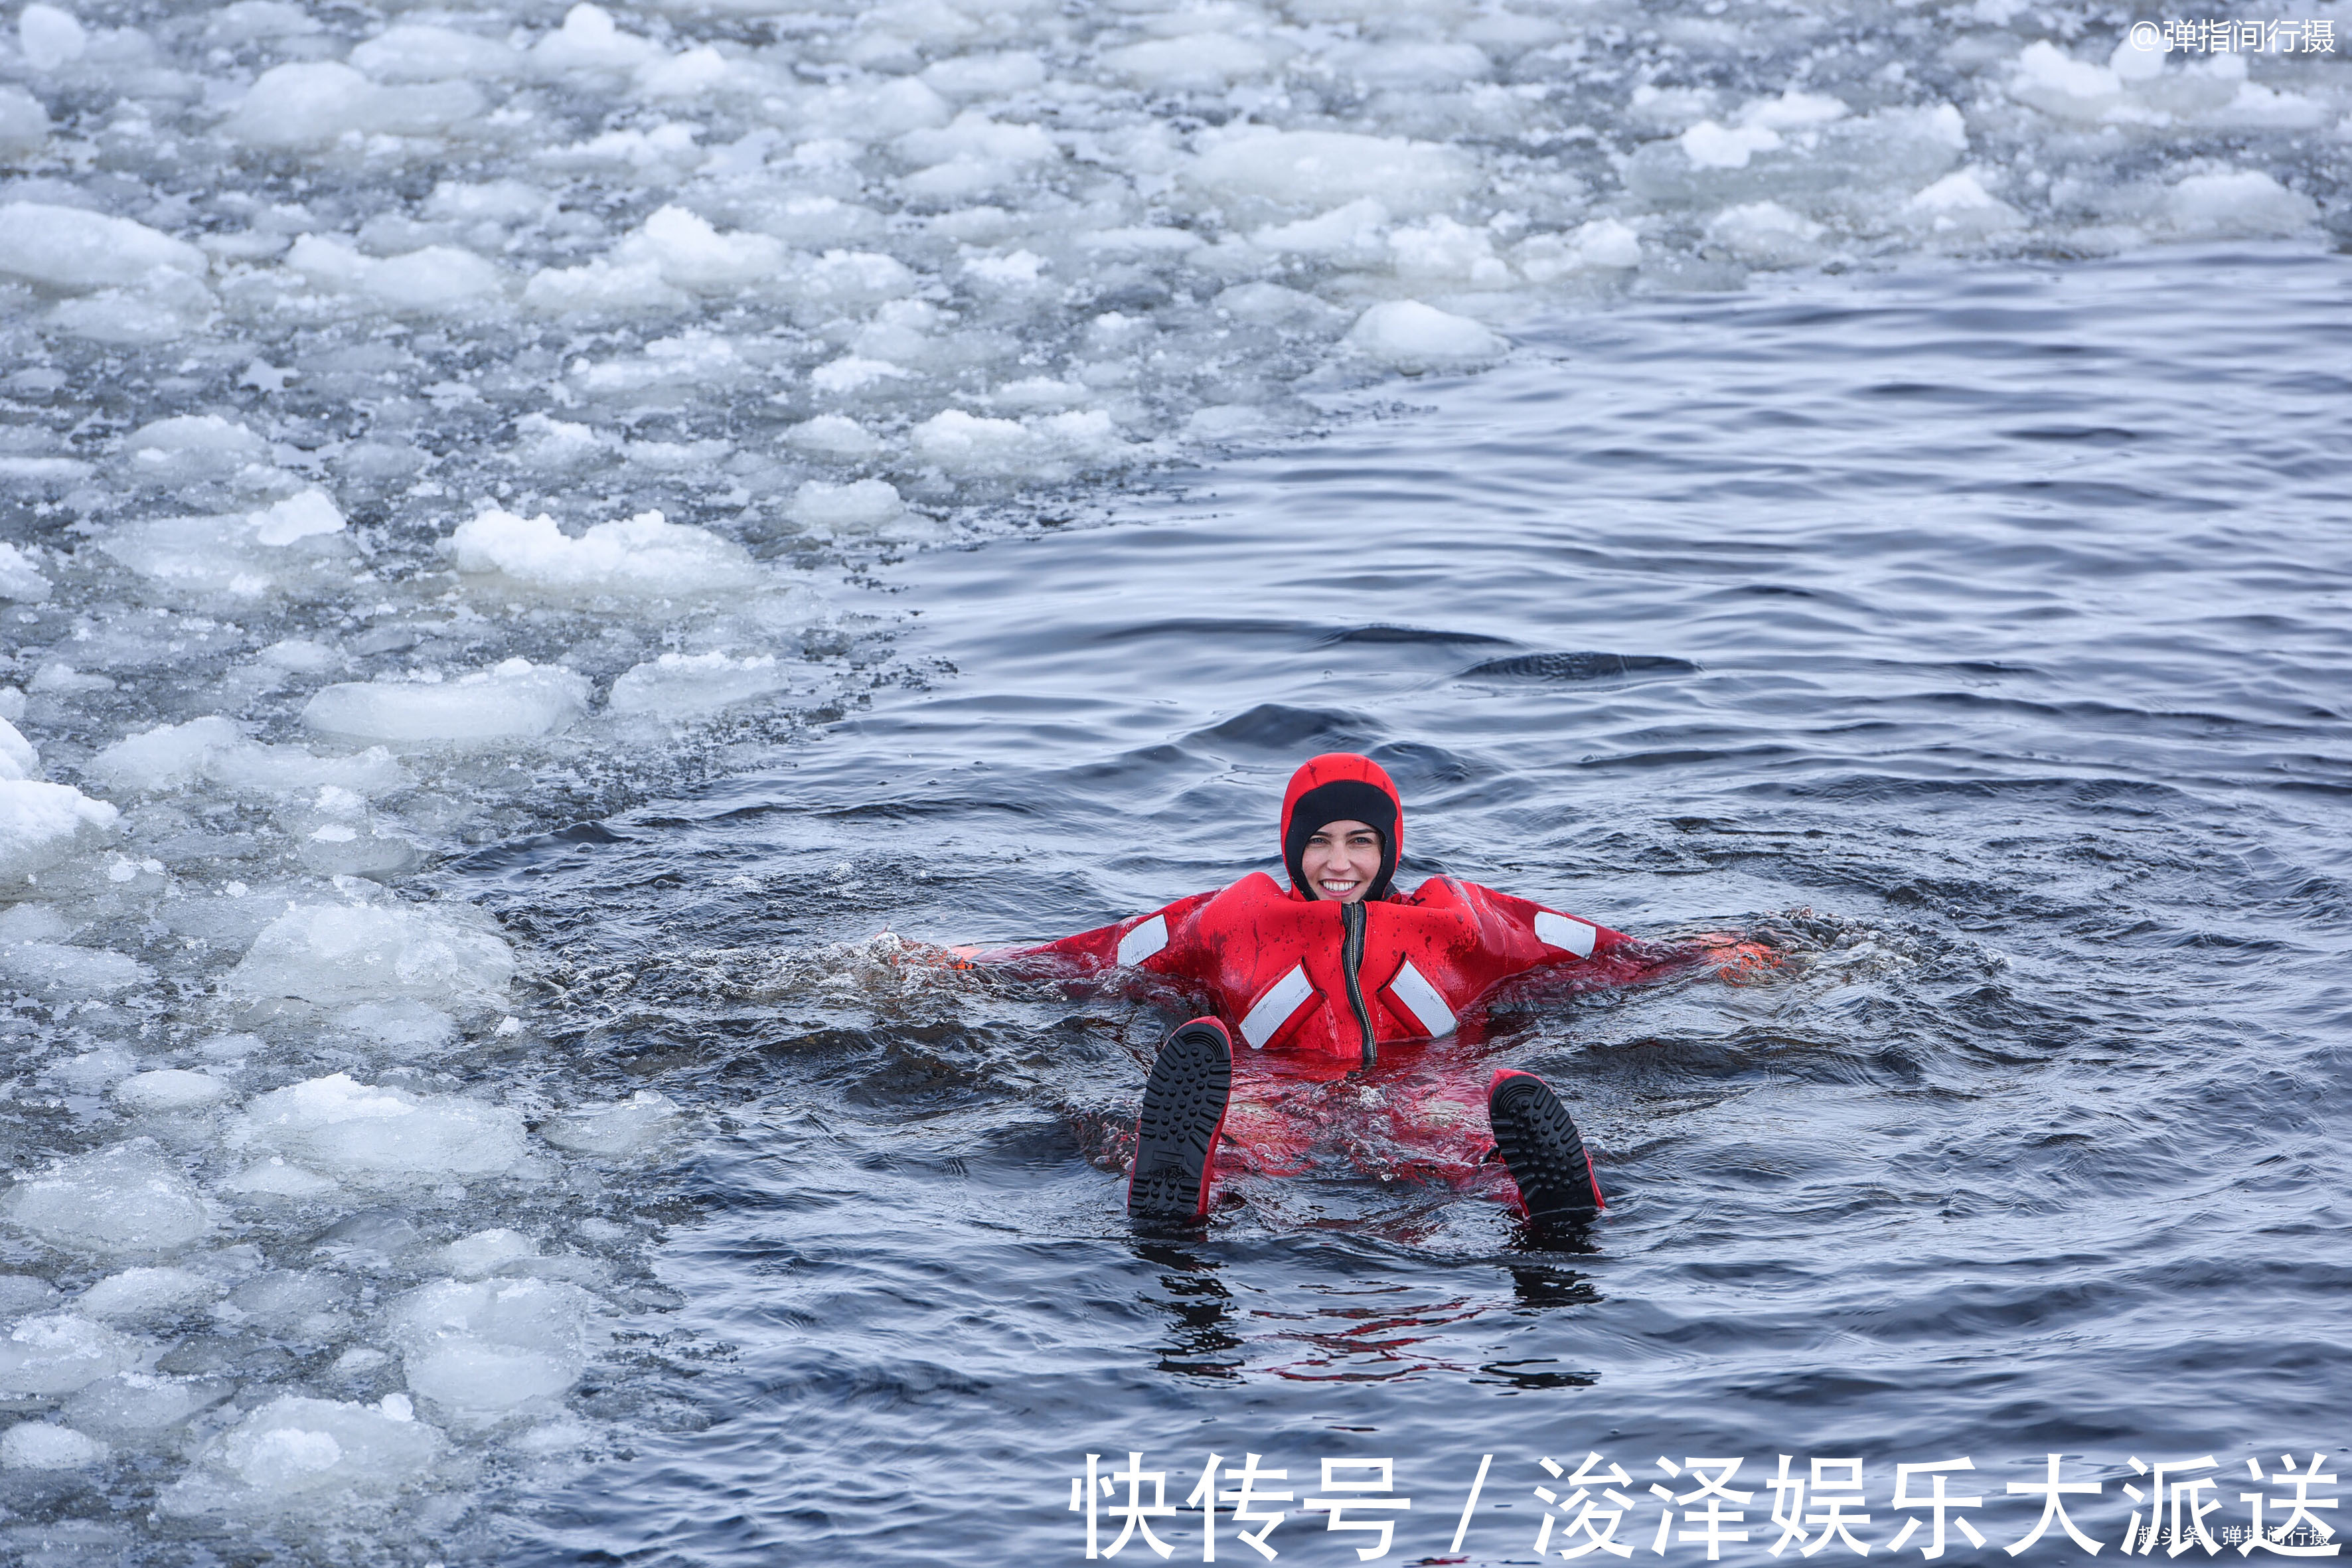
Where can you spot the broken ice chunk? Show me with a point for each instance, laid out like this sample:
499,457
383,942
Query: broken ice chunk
512,700
679,684
61,1352
128,1198
645,557
170,1090
43,1446
352,1129
1412,337
481,1350
626,1126
345,954
294,1450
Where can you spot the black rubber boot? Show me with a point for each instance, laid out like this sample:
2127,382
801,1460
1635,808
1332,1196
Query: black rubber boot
1543,1150
1183,1112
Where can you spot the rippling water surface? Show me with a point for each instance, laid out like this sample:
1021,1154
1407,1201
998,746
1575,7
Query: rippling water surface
1976,637
551,554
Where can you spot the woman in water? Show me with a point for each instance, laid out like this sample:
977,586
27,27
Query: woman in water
1333,968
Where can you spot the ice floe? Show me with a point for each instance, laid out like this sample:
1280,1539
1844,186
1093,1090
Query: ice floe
482,1348
44,1446
137,1294
125,1199
60,1352
512,700
642,557
295,1452
337,1126
624,1128
337,954
682,684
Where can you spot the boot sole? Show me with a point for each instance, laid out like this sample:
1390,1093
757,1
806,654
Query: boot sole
1544,1153
1184,1105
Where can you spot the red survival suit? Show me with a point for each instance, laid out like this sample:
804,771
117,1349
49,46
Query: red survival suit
1314,990
1286,971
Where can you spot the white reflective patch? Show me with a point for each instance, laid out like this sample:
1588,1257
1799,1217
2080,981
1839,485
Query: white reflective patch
1559,930
1274,1009
1144,941
1421,999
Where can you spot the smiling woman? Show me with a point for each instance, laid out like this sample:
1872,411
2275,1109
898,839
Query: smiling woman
1330,972
1341,859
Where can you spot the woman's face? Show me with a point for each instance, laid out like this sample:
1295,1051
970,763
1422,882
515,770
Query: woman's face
1341,861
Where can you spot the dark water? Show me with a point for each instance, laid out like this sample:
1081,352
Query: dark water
1978,638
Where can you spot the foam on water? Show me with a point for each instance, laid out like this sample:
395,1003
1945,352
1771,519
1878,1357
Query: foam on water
423,431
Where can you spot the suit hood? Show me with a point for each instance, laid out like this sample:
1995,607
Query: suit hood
1340,786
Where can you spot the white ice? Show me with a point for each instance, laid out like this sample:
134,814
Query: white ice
128,1198
626,1126
290,546
44,1446
482,1348
345,1128
167,1089
140,1409
214,749
316,104
1766,234
74,250
485,1252
645,557
683,684
513,700
1412,337
41,823
858,506
434,279
345,954
20,579
50,36
60,1352
405,1028
422,423
294,1451
138,1294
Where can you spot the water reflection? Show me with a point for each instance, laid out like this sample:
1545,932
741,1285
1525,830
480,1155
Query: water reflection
1541,1289
1202,1341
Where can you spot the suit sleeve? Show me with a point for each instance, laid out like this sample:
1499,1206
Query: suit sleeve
1158,940
1564,938
1567,949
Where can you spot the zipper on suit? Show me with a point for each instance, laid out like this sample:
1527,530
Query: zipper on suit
1352,919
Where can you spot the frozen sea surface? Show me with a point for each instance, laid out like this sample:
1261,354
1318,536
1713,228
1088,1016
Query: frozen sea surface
527,537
